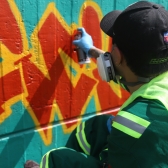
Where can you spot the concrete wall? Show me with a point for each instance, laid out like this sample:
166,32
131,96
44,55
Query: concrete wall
44,92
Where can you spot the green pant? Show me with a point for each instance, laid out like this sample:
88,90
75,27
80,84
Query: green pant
95,133
68,158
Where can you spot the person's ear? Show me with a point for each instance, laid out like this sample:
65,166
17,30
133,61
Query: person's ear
117,55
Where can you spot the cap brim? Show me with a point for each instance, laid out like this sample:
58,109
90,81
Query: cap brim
108,20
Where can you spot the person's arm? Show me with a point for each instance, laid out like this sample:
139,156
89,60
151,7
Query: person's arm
95,52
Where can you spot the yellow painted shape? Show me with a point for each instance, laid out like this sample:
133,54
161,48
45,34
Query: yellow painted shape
22,97
69,62
116,88
7,65
38,59
104,37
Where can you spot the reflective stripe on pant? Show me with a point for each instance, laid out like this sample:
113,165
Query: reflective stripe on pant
44,161
68,158
81,137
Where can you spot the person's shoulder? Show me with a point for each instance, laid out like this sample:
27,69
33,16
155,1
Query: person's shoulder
142,122
146,108
141,111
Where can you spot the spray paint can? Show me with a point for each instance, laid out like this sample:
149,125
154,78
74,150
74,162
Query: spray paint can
82,57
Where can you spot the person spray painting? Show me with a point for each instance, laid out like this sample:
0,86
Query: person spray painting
139,60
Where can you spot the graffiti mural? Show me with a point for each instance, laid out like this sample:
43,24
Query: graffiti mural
44,92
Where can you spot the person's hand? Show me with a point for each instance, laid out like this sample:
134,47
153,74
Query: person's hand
85,42
109,123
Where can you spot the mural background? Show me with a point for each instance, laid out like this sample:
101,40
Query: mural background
44,92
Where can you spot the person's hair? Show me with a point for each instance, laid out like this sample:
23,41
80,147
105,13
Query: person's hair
149,64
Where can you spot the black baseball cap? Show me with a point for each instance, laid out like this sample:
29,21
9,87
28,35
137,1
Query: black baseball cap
142,28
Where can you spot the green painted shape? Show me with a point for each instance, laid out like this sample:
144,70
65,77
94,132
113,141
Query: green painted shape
91,108
88,66
1,59
73,71
19,139
18,120
25,139
32,11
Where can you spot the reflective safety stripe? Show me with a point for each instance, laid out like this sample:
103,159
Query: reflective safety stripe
44,161
130,124
81,137
104,150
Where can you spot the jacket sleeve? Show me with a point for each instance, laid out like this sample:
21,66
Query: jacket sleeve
127,131
119,150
